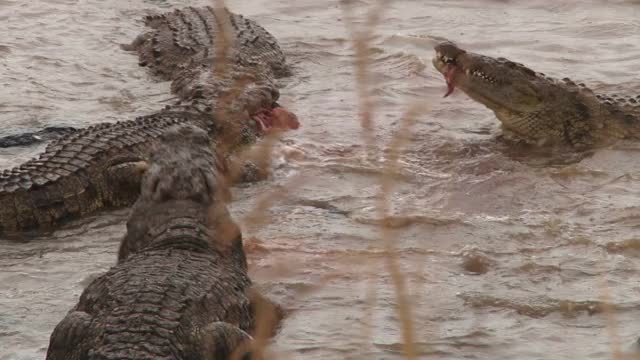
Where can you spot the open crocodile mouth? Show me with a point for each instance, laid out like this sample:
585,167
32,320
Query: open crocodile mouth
276,118
454,74
450,69
456,67
449,76
446,62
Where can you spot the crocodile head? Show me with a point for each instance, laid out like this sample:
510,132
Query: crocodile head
276,118
534,107
184,166
238,90
183,195
502,85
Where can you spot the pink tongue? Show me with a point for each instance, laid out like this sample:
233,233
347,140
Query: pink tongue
449,74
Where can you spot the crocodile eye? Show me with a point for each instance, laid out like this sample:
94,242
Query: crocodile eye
448,60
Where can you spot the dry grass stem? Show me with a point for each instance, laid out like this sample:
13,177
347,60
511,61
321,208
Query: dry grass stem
362,39
267,317
223,45
261,153
223,42
361,43
394,151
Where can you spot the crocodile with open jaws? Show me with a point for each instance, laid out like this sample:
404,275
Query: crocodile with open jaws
101,166
537,108
180,289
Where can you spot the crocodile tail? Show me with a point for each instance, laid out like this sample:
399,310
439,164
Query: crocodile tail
29,138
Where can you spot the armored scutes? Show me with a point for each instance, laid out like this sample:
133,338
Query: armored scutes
101,166
209,54
97,167
89,169
184,37
180,289
535,107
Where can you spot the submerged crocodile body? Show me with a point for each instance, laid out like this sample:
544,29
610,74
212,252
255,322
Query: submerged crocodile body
538,108
101,166
97,167
180,289
180,44
46,134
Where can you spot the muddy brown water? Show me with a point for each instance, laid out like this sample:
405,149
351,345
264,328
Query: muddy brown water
505,257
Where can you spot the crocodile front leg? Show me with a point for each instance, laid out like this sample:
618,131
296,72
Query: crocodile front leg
221,340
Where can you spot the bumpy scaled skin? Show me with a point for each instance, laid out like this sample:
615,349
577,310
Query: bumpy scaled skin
204,88
101,166
180,289
184,167
191,35
183,46
535,107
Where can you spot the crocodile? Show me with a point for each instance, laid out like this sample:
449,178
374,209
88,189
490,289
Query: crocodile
537,108
180,43
209,52
180,288
177,40
101,166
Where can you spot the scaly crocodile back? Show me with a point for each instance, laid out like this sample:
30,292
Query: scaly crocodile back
70,178
73,176
187,36
612,116
157,304
181,290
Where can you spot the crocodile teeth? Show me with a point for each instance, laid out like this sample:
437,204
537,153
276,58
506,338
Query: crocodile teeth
482,75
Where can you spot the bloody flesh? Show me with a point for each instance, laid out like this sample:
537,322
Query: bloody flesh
449,75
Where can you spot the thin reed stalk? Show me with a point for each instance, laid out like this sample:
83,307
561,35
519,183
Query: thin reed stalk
361,44
362,39
266,315
404,305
